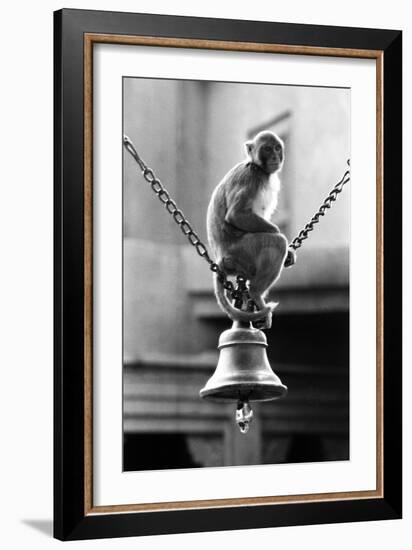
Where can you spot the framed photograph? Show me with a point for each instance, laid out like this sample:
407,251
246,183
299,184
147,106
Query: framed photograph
227,274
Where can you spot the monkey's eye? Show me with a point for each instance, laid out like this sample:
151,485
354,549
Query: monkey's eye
278,147
267,148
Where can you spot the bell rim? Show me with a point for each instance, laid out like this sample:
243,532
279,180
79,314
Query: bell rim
214,394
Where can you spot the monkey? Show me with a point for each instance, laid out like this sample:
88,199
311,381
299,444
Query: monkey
242,238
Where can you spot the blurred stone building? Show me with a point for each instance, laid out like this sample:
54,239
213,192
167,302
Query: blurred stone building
191,134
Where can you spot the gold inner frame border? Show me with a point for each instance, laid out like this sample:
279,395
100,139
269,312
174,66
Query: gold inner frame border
93,38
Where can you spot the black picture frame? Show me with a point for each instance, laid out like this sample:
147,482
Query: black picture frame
72,520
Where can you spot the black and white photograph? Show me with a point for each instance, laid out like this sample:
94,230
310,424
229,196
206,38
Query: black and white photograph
236,282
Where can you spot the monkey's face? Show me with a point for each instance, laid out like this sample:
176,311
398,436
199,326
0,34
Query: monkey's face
267,151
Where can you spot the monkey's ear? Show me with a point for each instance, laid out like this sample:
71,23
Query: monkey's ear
249,147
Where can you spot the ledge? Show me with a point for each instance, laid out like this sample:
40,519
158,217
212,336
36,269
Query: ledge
207,361
317,283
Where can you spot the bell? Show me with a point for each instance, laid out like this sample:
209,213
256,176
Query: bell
243,372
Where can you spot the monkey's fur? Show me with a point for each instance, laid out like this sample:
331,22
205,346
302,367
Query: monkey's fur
242,238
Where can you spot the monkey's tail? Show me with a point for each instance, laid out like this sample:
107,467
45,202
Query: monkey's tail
234,313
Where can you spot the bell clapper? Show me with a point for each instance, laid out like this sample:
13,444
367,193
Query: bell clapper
244,415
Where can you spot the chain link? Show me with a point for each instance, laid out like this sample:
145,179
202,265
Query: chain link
186,228
178,216
327,203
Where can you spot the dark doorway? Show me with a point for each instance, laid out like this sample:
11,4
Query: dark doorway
156,452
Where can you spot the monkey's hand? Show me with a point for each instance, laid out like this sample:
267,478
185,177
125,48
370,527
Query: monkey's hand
290,258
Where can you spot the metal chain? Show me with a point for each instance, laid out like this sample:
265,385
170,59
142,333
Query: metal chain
327,203
240,292
178,216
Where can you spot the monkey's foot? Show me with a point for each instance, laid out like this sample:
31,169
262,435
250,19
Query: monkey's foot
264,323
